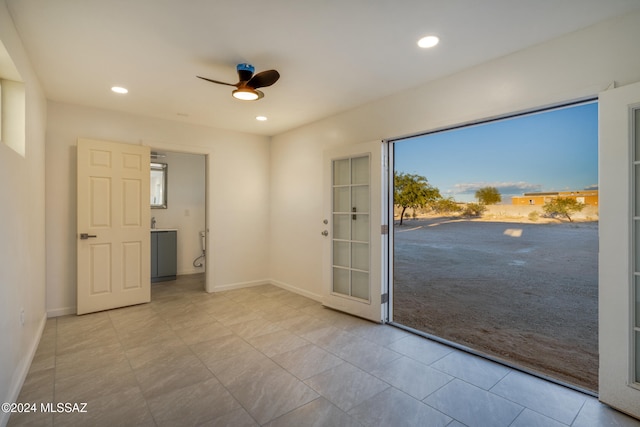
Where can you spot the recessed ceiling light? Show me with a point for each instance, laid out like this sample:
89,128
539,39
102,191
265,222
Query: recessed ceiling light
261,118
428,41
118,89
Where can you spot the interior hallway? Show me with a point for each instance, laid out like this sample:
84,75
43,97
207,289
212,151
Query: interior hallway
266,356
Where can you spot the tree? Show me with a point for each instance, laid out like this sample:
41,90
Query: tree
488,196
413,191
562,206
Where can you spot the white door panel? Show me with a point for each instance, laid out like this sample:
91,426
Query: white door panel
353,261
619,266
113,225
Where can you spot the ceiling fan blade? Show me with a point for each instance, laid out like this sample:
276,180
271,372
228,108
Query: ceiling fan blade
264,79
218,82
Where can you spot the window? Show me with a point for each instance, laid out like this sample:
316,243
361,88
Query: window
12,104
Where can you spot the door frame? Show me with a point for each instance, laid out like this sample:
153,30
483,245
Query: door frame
390,213
208,159
387,188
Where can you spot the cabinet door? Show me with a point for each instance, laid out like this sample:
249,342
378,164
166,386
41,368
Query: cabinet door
167,253
154,255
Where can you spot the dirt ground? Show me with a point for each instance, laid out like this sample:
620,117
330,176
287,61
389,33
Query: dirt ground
524,292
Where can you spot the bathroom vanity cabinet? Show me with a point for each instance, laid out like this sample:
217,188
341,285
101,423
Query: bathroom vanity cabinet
163,255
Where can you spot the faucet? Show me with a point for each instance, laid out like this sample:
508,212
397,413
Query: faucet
153,222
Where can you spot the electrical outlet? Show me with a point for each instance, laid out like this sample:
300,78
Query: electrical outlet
186,212
22,316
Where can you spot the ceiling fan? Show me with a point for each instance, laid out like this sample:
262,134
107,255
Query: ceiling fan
247,87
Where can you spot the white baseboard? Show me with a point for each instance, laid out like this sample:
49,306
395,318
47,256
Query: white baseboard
192,271
57,312
296,290
283,285
22,371
239,285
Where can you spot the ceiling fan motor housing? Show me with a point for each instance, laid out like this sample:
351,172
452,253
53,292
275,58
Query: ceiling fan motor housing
245,72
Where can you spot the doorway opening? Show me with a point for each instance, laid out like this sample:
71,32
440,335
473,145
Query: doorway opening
180,219
495,240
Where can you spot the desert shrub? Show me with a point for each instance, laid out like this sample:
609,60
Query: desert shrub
447,205
534,216
474,209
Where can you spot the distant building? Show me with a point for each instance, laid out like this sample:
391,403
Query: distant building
588,197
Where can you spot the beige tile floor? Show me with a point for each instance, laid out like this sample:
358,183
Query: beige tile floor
266,356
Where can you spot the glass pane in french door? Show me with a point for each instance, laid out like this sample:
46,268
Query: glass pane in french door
351,209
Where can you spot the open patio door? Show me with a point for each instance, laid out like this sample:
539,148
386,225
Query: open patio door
355,230
619,263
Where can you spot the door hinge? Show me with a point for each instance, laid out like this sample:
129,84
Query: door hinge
384,229
384,298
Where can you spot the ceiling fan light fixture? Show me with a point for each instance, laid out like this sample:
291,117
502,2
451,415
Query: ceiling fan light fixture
246,94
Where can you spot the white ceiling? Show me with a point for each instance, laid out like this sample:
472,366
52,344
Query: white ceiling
332,55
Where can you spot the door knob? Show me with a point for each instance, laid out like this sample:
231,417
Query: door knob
85,236
325,233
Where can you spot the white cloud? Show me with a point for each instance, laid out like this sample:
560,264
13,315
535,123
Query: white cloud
503,187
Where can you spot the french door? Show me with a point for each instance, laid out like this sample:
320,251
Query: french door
354,229
619,262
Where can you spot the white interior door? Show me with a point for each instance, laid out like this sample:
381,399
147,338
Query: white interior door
619,262
113,225
353,230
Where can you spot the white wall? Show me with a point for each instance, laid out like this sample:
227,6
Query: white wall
22,220
237,182
571,67
186,206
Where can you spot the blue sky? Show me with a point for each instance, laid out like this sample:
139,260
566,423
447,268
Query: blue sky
555,150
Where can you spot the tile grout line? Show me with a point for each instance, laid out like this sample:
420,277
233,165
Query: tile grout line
146,401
